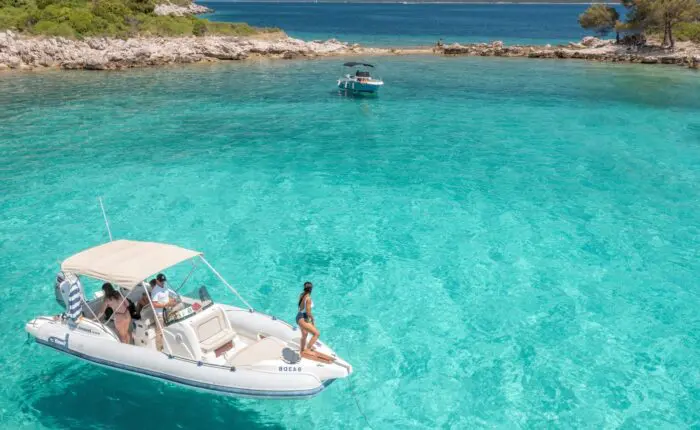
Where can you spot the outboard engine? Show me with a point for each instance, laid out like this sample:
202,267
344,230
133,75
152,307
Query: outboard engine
60,279
62,287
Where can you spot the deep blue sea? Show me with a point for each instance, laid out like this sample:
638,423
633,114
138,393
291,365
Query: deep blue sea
397,24
495,243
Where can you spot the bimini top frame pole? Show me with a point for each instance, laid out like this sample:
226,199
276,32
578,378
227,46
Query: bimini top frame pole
104,215
221,278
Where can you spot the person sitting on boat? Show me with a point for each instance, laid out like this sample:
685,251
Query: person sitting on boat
305,318
162,295
143,301
118,304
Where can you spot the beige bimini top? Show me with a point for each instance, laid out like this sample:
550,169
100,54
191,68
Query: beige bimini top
126,262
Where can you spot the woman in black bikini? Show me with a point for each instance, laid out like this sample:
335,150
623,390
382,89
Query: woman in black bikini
305,318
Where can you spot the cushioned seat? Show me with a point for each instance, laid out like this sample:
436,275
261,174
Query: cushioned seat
213,330
269,348
217,340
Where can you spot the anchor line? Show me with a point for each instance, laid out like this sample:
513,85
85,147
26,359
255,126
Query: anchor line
357,403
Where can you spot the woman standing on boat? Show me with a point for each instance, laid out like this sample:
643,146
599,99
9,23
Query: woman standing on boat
305,318
122,318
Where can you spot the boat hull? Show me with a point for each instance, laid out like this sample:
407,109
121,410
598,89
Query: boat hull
266,380
359,87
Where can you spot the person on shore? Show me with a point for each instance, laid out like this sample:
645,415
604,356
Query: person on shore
118,304
305,318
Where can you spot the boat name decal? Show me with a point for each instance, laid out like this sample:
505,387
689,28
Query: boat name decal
88,330
58,342
290,369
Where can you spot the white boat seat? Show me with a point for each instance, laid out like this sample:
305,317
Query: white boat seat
217,340
213,330
269,348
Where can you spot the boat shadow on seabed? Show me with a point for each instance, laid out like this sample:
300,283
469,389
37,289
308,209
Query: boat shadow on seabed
82,404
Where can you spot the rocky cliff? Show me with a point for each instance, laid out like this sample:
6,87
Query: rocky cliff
175,10
20,52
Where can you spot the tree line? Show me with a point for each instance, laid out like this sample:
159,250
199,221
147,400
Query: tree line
643,17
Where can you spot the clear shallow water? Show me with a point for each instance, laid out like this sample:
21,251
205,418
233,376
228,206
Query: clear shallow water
513,245
411,24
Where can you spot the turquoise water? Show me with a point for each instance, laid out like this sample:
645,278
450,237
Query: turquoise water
495,242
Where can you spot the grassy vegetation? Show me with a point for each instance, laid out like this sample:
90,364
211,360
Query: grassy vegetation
687,31
116,18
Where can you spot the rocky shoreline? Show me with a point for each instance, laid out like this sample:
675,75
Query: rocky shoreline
31,53
18,52
590,48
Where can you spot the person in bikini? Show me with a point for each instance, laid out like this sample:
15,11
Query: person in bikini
305,319
306,322
122,318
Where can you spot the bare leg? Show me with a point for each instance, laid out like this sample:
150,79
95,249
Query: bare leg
122,326
159,334
313,340
311,329
304,333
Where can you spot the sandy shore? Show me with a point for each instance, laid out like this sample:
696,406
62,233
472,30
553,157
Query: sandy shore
18,52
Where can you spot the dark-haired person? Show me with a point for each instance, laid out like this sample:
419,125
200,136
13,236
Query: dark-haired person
305,318
143,301
122,317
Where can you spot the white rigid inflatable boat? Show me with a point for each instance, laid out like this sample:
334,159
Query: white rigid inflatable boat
209,346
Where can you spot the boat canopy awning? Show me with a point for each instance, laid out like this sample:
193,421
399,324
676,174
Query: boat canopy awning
126,262
353,64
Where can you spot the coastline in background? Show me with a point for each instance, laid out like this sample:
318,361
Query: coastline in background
391,24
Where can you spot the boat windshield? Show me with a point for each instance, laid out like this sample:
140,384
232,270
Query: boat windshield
362,74
188,307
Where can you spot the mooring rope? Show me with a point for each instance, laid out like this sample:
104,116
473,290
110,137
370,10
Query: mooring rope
357,403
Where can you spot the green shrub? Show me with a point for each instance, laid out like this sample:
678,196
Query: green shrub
687,31
15,3
117,18
102,27
142,6
50,28
80,20
18,18
166,26
41,4
55,13
112,10
199,28
230,29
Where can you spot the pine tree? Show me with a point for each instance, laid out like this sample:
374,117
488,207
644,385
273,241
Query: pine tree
661,14
600,18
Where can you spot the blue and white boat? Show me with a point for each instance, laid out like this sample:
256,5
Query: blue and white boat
361,82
